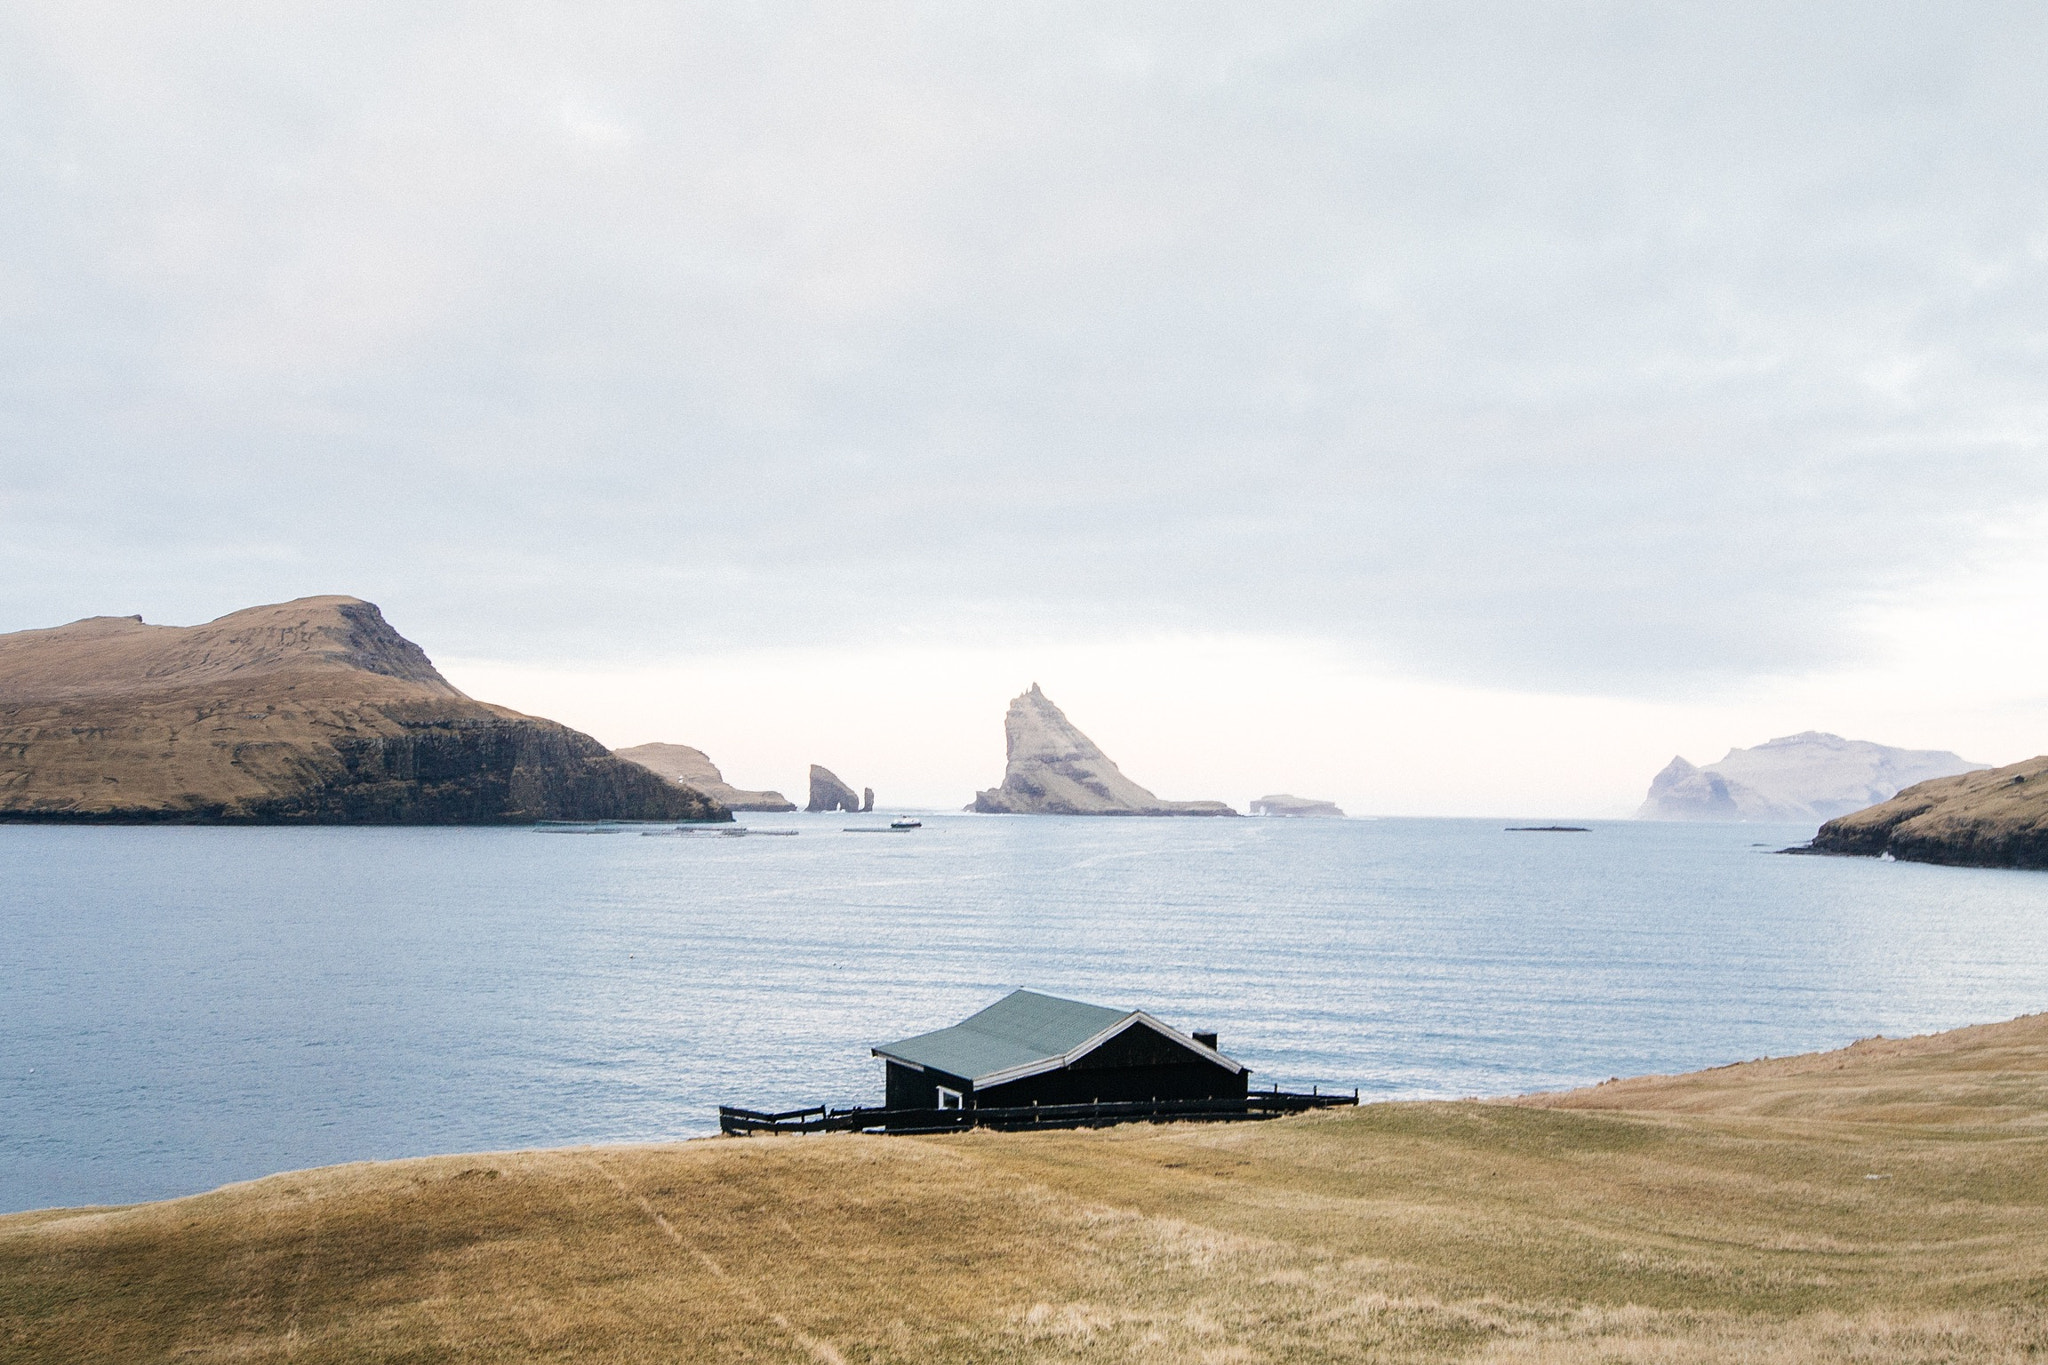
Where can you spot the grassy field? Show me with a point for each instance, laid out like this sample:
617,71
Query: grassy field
1885,1203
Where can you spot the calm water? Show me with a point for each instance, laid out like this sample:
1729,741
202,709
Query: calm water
184,1007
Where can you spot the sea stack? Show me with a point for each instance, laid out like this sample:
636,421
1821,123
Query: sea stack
829,793
1054,769
693,768
313,711
1997,817
1297,807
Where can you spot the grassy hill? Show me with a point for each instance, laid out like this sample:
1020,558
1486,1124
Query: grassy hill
310,711
1884,1203
1996,817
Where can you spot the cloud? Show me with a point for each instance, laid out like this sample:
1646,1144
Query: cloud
1577,347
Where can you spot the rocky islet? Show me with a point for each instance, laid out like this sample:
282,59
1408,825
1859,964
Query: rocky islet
828,793
1054,769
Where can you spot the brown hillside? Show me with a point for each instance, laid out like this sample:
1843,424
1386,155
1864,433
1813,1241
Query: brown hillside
693,768
312,710
1886,1205
1994,818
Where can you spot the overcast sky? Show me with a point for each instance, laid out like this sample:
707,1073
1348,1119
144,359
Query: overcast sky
1681,364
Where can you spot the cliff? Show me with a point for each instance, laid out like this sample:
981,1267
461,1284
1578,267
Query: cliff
1808,777
829,793
311,711
1297,806
693,768
1054,769
1996,817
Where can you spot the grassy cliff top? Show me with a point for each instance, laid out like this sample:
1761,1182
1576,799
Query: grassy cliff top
1884,1203
115,656
1995,817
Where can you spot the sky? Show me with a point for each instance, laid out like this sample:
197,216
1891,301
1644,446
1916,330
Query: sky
1444,409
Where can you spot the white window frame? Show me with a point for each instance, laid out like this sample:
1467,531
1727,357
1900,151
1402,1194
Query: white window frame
950,1098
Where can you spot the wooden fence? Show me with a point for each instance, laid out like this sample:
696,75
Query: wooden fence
1259,1104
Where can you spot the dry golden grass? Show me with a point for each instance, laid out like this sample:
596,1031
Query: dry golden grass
1886,1203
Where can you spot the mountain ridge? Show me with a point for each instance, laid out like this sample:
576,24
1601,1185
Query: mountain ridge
310,711
1811,776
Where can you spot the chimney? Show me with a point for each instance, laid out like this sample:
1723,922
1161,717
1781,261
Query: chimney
1207,1040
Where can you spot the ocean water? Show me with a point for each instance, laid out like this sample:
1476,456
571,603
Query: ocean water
182,1007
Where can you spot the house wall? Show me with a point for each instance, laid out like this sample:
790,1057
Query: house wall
1138,1064
905,1087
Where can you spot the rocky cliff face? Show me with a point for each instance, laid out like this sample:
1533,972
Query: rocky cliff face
1054,769
693,768
829,793
1801,778
1995,817
1299,806
312,711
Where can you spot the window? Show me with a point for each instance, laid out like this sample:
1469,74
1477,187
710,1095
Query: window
949,1099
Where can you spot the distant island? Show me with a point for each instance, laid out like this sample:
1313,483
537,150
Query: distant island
305,712
1994,817
1807,777
693,768
1054,769
828,793
1297,806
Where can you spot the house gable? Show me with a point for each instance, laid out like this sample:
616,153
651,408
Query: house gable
1140,1045
1136,1019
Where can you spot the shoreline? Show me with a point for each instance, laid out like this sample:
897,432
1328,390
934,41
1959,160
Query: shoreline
1880,1203
1599,1095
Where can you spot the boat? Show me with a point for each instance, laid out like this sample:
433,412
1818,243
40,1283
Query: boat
905,822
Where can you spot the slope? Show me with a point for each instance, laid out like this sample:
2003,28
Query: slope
314,710
1883,1204
693,768
1994,818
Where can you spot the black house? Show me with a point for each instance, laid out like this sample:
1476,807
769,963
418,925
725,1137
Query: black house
1030,1049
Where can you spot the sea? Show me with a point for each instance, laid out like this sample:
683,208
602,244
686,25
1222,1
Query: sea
182,1007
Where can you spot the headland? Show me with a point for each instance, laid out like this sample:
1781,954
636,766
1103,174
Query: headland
1997,817
693,768
313,711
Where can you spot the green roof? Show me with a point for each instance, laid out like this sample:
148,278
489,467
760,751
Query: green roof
1019,1030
